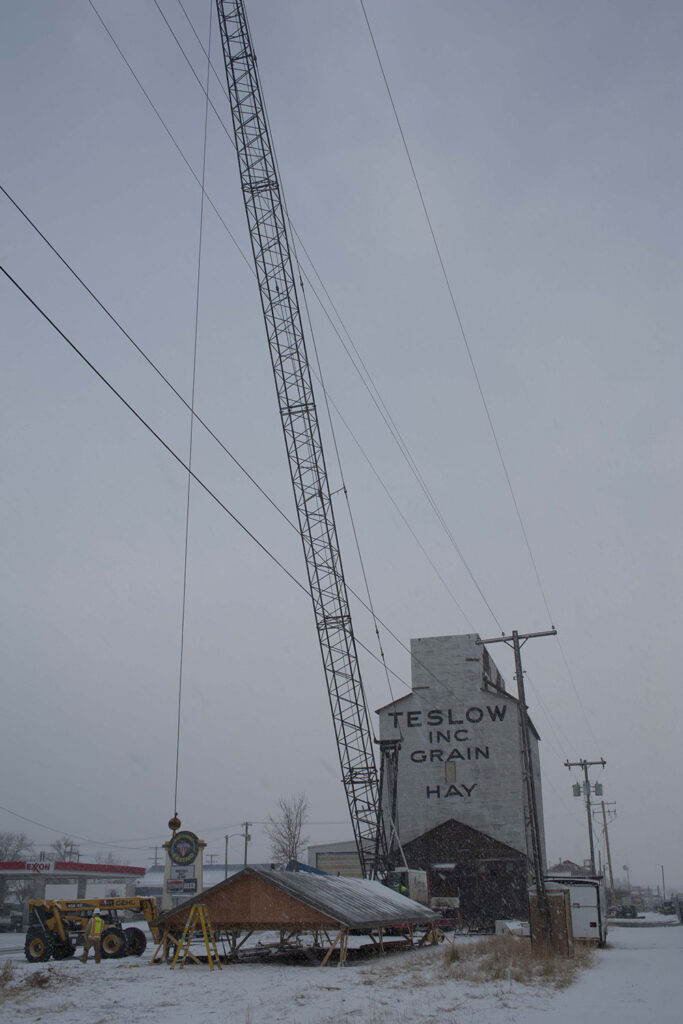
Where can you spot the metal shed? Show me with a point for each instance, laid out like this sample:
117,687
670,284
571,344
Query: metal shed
298,903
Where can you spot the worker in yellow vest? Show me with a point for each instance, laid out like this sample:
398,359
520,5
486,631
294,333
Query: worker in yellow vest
92,937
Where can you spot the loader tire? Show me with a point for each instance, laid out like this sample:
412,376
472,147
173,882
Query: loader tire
38,946
136,941
113,943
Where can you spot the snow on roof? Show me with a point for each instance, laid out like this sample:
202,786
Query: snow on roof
353,902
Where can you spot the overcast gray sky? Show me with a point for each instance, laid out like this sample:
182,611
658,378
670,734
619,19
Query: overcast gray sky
546,136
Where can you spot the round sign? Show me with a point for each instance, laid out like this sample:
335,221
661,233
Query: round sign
183,848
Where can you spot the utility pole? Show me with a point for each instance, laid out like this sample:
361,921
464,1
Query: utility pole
609,856
585,765
156,856
663,886
247,837
516,641
212,857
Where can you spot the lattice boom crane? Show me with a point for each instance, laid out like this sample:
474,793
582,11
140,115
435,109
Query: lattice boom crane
267,222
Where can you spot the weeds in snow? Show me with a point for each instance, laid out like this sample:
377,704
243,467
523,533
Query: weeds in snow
506,958
7,974
11,985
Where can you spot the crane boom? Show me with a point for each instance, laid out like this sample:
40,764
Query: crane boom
267,223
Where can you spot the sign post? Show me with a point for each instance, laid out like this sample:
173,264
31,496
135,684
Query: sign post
184,868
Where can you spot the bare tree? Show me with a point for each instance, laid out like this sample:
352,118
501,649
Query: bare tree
13,846
64,848
107,858
285,829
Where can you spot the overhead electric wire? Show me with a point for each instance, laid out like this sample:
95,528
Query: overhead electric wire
211,433
469,352
170,134
248,264
422,698
221,444
365,376
343,481
380,405
61,832
178,458
456,311
151,429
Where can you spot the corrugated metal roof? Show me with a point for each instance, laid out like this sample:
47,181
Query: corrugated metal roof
353,902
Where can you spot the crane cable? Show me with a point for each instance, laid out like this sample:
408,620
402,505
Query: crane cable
342,479
377,401
192,400
326,397
247,263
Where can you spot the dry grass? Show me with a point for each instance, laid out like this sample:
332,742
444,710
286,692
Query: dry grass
7,974
509,958
12,986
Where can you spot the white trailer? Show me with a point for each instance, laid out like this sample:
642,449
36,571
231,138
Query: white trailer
588,901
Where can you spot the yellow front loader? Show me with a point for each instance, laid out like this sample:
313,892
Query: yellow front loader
55,926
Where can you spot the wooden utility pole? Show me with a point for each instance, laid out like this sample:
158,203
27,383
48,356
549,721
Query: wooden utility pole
247,837
516,641
587,793
609,856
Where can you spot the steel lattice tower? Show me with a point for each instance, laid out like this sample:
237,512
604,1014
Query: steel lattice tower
266,218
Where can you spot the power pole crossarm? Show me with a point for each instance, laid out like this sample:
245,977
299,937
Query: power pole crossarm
585,765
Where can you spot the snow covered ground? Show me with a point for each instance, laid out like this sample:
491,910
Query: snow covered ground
636,979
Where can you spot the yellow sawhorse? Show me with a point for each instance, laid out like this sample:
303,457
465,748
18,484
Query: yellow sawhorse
198,921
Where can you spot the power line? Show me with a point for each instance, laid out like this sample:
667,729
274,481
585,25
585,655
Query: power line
365,376
386,417
367,606
226,450
377,401
468,349
178,459
230,454
455,308
251,269
151,429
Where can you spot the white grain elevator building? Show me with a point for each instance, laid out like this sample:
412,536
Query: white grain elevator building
461,806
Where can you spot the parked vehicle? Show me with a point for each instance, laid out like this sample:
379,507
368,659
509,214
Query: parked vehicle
10,920
628,910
